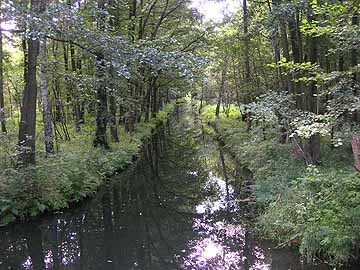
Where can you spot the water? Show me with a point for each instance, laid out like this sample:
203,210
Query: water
180,206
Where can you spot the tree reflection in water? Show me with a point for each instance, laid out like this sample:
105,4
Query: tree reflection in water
174,209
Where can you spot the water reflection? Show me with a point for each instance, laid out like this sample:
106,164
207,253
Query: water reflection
220,196
178,207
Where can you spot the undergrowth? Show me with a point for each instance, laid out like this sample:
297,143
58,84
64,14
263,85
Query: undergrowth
314,207
70,175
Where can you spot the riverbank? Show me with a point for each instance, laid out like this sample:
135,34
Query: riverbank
313,207
170,210
70,175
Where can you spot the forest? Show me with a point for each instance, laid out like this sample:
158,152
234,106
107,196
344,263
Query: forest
262,94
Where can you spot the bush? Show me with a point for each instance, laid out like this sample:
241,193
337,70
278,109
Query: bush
321,210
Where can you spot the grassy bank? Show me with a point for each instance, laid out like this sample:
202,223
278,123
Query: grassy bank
314,207
75,172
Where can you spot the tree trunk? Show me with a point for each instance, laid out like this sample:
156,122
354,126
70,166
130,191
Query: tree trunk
286,53
114,21
312,147
154,99
66,77
246,41
295,46
48,130
275,43
101,114
356,138
354,56
356,150
247,115
201,99
147,101
74,92
113,124
2,109
27,126
354,62
221,87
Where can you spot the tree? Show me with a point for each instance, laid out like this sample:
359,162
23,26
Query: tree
2,108
48,130
222,85
27,127
101,93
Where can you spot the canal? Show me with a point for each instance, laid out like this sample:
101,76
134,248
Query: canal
182,205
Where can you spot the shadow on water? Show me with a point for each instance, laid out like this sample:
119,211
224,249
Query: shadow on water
178,207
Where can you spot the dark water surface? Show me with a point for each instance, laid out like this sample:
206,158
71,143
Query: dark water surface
178,207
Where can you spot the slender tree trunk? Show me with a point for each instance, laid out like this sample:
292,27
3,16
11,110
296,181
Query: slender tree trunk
221,87
355,143
201,99
246,41
27,127
48,130
66,77
247,116
101,114
132,18
55,85
312,147
356,137
112,117
354,55
275,42
295,46
154,99
147,101
25,53
354,62
113,124
2,109
286,53
74,92
81,103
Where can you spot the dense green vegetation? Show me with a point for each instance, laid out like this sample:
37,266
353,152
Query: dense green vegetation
84,83
72,174
291,68
299,204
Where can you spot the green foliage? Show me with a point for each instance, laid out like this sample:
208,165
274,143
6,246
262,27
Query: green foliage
320,210
209,111
162,116
315,207
70,175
